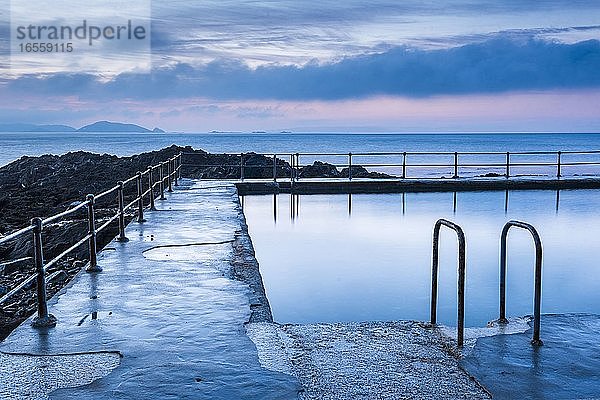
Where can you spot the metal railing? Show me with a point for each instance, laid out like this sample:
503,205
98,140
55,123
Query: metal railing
413,165
538,277
165,182
461,276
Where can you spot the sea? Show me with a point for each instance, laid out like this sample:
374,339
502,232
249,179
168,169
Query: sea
14,145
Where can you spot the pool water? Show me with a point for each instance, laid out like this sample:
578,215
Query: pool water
334,258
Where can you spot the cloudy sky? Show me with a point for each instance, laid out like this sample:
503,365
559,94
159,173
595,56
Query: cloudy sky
328,65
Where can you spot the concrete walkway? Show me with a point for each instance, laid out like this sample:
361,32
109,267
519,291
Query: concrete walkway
164,320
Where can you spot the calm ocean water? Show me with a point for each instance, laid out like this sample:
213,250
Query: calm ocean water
15,145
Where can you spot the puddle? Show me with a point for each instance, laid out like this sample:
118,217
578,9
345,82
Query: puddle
33,377
515,325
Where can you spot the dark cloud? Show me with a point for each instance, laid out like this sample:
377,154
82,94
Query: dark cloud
497,65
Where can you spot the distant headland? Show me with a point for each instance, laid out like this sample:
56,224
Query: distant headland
100,126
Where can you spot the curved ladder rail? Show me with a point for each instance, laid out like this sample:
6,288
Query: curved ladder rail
461,275
536,341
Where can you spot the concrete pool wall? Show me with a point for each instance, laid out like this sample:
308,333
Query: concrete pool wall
344,186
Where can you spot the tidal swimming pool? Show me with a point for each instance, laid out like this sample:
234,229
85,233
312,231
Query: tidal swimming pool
335,258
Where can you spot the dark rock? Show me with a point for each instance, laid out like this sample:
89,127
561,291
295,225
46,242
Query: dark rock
492,175
319,169
202,165
359,171
12,266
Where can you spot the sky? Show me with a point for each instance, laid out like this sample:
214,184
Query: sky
332,66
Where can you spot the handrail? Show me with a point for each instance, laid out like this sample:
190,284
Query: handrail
536,341
107,192
67,251
64,213
461,276
44,319
452,164
15,234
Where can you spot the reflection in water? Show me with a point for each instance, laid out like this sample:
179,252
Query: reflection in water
294,206
376,265
403,203
349,204
295,203
454,203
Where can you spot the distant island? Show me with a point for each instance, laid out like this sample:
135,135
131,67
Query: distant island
106,126
100,126
35,128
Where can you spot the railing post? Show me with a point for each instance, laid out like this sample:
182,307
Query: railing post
93,267
503,319
537,296
558,174
43,319
297,166
169,176
455,165
151,186
180,165
140,199
461,276
121,201
161,186
274,167
508,164
175,171
241,166
434,275
349,166
292,168
404,165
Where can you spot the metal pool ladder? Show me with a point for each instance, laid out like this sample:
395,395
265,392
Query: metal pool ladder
537,298
461,275
536,341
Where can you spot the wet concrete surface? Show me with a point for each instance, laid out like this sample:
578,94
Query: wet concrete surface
567,366
174,314
369,360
